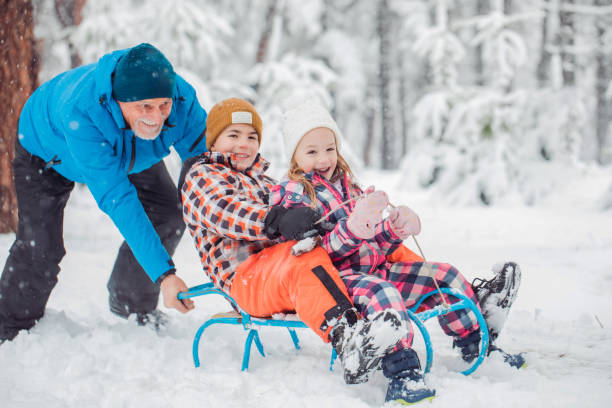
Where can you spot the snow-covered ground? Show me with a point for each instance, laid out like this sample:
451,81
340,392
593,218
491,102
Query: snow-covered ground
80,355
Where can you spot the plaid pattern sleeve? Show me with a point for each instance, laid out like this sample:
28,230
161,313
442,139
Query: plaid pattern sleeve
210,198
386,239
340,243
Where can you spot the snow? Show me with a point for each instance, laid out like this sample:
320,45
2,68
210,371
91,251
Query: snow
82,355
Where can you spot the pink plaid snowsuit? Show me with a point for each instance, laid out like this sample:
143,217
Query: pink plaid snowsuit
374,283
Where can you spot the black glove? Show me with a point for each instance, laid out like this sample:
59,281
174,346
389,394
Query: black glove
292,223
325,226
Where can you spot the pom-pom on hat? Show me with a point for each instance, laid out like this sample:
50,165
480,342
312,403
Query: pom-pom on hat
300,117
143,73
229,112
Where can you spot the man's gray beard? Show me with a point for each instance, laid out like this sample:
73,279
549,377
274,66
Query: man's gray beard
147,137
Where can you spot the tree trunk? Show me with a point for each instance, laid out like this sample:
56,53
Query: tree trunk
69,13
325,20
264,40
18,79
601,85
369,141
403,103
482,7
544,62
508,7
568,56
384,77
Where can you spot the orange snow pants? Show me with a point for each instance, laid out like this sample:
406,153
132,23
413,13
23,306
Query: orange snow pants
403,254
274,281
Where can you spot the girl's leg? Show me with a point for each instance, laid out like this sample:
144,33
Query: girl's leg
371,294
413,280
401,366
274,281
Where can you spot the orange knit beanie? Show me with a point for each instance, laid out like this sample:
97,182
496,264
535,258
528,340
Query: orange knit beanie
228,112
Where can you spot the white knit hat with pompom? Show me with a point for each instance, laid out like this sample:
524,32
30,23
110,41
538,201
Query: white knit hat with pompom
300,116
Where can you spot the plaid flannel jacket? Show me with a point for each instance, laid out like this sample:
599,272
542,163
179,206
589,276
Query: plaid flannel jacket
349,253
224,210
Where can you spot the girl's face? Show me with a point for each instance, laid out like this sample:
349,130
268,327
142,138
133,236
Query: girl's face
240,139
317,152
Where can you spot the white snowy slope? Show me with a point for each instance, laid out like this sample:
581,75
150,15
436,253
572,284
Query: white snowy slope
80,355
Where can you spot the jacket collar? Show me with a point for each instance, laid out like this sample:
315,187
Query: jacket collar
259,166
340,195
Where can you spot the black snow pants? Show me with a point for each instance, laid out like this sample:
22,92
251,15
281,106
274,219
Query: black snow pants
32,266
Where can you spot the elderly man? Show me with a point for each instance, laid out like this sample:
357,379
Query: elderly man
108,125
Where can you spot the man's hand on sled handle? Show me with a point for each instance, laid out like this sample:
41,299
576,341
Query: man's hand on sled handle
171,286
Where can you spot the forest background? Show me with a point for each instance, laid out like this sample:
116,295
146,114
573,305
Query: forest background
490,118
476,101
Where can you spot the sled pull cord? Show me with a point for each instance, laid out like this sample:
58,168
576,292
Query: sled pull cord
433,276
335,209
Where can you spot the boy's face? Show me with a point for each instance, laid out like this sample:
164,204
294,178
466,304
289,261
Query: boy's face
317,152
240,139
146,117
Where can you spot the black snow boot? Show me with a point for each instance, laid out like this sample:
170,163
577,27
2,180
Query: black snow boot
361,343
155,319
406,383
470,348
496,296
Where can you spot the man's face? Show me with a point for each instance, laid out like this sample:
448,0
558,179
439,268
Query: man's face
146,117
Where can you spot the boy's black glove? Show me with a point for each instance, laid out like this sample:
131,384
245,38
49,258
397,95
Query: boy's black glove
292,223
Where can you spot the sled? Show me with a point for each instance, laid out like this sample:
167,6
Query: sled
250,324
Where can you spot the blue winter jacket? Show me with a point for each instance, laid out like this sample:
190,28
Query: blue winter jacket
73,122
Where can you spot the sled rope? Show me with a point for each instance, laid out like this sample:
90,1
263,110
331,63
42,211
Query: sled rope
336,209
431,274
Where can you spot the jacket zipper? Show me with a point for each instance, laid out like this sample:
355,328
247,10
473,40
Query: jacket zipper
133,158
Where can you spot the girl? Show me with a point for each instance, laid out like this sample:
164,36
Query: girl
237,235
378,271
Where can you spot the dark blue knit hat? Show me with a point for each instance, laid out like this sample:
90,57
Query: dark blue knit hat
143,73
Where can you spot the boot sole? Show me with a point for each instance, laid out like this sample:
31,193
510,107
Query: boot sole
406,403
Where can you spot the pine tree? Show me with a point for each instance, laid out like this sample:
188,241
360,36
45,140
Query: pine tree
18,72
